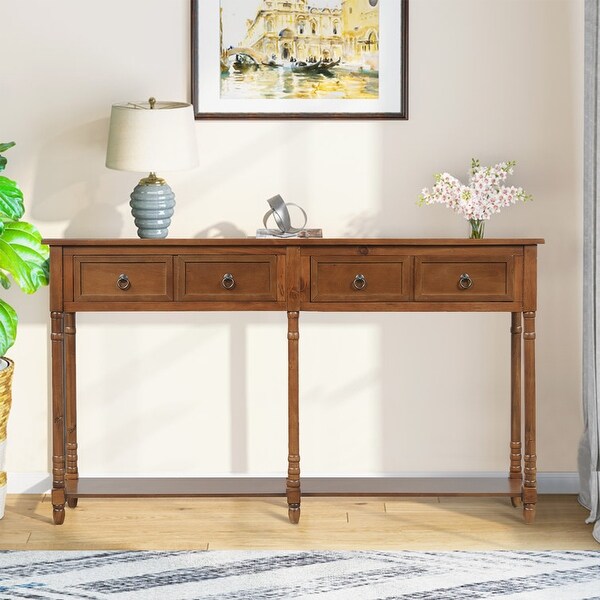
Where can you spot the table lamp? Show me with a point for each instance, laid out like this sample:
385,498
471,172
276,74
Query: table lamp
149,137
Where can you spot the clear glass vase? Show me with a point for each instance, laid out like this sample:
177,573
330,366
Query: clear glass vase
477,229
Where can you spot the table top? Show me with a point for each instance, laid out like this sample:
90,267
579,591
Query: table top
251,241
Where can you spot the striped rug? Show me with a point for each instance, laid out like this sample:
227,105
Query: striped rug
225,575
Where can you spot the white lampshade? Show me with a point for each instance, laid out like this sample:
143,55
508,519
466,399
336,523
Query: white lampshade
155,139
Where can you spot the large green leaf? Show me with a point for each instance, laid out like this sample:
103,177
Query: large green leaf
22,253
6,145
24,256
8,326
11,199
4,280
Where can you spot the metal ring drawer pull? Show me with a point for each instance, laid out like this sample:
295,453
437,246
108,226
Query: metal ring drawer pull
123,282
465,282
228,282
359,283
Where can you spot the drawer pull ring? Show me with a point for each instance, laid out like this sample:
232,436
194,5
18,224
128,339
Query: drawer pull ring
359,283
228,282
123,282
465,282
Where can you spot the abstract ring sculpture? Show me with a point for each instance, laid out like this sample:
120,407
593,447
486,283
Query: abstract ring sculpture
279,211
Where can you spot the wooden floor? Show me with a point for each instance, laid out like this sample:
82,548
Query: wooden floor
326,523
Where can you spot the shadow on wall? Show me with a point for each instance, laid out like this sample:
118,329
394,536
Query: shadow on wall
364,225
223,229
124,374
72,184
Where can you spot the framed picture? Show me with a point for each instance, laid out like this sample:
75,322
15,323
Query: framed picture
303,59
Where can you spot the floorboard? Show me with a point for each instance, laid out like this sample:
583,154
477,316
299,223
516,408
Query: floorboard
336,523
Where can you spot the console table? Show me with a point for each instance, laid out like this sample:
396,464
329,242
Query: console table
291,275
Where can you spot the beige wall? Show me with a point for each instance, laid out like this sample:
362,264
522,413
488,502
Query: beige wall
204,393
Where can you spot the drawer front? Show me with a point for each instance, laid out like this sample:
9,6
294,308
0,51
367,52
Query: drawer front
228,278
367,279
122,278
443,279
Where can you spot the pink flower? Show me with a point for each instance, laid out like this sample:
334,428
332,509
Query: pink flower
483,197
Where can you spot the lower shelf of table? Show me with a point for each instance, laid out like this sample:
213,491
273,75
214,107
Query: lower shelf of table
105,487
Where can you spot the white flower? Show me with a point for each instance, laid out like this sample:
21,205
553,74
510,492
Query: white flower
483,197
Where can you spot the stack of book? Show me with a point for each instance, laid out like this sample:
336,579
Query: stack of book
275,234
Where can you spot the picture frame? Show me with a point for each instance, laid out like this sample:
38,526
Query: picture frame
299,59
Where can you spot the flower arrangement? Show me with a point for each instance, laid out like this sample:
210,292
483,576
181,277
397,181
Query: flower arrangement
479,200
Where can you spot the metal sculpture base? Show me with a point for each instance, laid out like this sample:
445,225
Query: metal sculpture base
152,206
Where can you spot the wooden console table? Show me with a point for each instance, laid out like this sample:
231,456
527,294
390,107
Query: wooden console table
292,275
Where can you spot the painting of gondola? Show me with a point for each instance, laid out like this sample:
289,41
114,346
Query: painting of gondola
300,58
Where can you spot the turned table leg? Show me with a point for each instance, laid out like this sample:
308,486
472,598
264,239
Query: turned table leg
58,432
529,482
71,402
516,466
293,479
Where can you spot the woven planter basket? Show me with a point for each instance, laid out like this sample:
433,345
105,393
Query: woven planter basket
5,401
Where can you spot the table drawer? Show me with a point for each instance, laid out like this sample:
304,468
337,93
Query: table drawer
486,279
229,278
122,278
365,279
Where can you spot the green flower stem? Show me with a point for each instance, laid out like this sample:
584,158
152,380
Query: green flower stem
477,229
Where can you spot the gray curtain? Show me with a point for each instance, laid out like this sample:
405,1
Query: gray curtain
589,450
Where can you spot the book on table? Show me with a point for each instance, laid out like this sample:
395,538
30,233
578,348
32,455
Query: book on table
304,233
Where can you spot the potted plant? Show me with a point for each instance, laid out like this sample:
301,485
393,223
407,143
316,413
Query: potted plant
25,258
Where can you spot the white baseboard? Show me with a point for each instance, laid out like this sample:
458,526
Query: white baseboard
558,483
548,483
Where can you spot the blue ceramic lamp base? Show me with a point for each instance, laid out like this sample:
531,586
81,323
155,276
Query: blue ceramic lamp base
152,206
